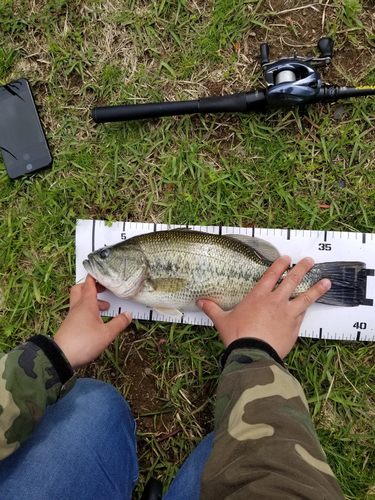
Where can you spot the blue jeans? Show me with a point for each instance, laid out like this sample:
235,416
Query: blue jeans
85,448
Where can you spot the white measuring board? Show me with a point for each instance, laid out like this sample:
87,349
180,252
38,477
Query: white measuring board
321,321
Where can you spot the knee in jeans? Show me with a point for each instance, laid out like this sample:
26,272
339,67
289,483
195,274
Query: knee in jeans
99,399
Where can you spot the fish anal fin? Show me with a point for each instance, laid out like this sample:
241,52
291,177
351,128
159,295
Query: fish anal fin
172,313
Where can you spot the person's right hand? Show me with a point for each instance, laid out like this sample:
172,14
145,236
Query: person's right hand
269,314
83,335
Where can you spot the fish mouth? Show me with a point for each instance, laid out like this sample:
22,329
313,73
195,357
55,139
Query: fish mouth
87,265
95,269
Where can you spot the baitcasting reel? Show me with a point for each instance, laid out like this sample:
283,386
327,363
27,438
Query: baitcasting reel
294,81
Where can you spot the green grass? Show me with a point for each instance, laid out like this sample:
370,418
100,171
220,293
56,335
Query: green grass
279,169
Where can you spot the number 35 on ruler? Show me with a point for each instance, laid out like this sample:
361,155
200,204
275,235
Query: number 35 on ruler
325,246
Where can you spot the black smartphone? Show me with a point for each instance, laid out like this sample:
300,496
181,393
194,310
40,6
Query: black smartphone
23,143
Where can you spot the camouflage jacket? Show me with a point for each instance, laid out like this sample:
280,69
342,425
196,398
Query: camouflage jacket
32,376
265,445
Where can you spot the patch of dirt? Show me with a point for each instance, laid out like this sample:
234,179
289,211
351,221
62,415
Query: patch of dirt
136,381
214,88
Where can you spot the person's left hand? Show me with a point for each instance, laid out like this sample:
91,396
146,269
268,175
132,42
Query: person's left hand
83,335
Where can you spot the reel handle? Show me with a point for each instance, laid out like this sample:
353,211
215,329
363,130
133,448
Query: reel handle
325,47
264,54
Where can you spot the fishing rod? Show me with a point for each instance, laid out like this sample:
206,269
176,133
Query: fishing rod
290,82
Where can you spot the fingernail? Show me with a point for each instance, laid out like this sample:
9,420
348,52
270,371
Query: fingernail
310,261
326,283
128,315
200,303
286,258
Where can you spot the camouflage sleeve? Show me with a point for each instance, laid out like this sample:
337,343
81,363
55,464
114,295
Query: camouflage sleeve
265,445
32,376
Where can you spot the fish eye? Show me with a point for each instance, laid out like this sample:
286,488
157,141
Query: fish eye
104,253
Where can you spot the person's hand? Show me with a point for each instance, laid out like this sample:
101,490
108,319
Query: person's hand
83,335
268,314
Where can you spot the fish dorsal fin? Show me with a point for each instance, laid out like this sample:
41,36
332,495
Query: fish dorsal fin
182,229
264,248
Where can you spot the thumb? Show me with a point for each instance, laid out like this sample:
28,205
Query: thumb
118,324
212,310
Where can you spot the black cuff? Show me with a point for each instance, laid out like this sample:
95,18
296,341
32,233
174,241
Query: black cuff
55,356
250,343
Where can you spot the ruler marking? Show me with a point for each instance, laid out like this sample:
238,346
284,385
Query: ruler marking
325,235
119,310
288,234
368,302
93,236
150,316
253,232
358,336
363,238
123,227
320,332
220,230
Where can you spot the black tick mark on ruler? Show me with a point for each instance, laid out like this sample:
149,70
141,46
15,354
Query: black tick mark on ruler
368,302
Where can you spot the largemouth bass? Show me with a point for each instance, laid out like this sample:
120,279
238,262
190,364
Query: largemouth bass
170,270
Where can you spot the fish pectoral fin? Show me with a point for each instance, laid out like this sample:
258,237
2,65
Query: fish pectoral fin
169,285
264,248
173,313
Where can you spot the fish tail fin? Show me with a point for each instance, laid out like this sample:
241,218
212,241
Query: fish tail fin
348,283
